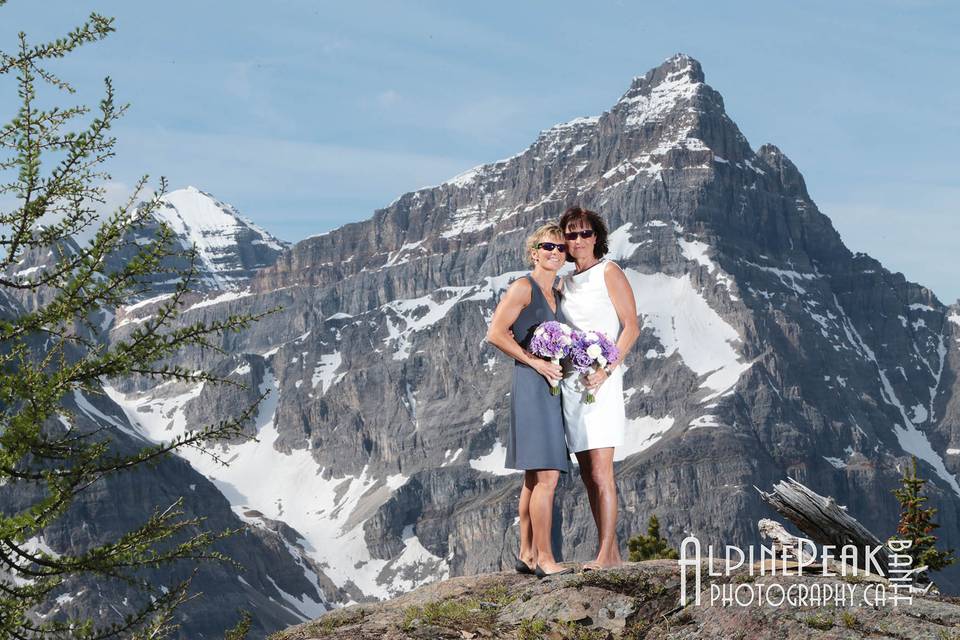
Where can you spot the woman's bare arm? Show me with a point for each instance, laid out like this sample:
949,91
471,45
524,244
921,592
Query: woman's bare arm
516,298
621,294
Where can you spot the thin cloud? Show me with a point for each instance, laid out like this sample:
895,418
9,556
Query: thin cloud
235,164
388,98
486,117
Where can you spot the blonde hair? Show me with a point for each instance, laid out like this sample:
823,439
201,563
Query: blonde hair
551,230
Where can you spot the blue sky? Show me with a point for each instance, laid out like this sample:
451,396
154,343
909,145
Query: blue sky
307,115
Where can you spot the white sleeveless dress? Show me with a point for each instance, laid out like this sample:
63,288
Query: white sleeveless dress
587,306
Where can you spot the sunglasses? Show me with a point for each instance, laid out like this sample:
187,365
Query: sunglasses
550,246
572,235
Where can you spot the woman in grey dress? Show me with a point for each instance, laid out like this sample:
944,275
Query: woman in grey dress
536,443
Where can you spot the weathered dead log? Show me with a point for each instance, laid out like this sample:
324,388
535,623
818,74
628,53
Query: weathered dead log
783,543
825,522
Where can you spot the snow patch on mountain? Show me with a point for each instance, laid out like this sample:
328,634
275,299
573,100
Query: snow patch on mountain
641,434
788,277
226,296
325,371
911,439
145,303
214,228
415,565
837,463
403,254
406,316
327,512
494,461
450,456
98,416
919,414
619,243
708,420
685,323
696,251
661,98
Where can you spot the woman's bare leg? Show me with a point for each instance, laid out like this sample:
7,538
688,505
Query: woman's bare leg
583,460
541,516
601,462
604,486
528,552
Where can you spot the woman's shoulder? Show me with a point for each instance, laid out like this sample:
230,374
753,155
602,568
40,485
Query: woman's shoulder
612,272
611,267
520,288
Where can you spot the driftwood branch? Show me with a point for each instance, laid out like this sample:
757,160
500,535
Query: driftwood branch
825,522
783,543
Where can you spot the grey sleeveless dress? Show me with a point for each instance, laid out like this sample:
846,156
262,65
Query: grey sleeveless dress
536,439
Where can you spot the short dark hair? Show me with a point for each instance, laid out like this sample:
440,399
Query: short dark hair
596,222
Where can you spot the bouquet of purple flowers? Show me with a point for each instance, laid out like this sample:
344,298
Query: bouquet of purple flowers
590,351
552,340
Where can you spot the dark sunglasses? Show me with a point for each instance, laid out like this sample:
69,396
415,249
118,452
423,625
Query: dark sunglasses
550,246
572,235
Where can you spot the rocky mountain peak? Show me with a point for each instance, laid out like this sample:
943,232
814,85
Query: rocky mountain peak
677,68
790,178
202,218
668,122
661,91
229,247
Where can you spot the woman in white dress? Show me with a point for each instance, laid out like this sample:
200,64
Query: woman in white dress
597,297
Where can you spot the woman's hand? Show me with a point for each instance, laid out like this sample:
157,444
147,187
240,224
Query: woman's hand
552,372
594,380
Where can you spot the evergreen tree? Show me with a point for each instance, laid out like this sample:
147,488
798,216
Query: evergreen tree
916,522
51,161
650,546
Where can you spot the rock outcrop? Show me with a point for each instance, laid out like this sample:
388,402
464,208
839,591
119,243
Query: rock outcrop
641,600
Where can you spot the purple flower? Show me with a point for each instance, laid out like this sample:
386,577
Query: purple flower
591,350
552,340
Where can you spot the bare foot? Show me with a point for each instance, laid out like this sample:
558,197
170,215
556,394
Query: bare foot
603,563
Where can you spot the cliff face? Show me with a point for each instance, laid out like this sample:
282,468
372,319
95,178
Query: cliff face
767,349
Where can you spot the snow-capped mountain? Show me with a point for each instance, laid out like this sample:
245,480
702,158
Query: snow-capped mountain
229,247
767,349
